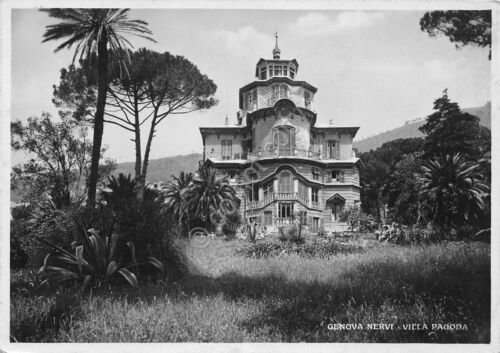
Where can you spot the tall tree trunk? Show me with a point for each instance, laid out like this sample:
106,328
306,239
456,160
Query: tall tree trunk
102,86
142,180
137,128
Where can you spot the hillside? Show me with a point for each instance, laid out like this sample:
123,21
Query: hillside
410,129
162,169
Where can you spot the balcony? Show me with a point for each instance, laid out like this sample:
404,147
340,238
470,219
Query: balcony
284,152
283,196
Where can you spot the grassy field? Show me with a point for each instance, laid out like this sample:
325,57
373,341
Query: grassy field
231,298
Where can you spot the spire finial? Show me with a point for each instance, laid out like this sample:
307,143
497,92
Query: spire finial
276,50
227,120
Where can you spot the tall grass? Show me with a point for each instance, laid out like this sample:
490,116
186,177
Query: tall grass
292,298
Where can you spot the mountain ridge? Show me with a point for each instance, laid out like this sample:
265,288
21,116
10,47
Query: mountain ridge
410,129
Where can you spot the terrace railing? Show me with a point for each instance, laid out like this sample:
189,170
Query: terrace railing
283,196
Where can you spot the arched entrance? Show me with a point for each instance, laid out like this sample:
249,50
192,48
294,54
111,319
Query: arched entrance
336,205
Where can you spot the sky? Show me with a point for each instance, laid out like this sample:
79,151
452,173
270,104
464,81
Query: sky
373,69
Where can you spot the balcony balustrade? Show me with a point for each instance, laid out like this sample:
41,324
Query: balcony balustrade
283,196
283,152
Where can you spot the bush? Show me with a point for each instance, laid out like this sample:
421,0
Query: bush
18,256
320,249
146,223
96,260
292,233
409,235
231,225
41,221
322,232
356,218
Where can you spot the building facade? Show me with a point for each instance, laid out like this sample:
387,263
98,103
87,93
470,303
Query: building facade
280,162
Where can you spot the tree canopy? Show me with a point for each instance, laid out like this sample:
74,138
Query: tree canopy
60,159
451,131
99,34
461,27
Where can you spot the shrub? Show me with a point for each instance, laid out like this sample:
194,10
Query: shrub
292,233
356,218
409,235
231,225
319,249
96,260
322,232
18,256
41,221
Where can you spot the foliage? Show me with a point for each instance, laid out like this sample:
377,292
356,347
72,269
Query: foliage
377,167
322,232
450,131
60,156
144,223
75,95
412,235
18,256
461,27
292,233
232,221
323,249
97,33
175,202
358,219
208,196
41,220
402,190
96,260
157,85
455,191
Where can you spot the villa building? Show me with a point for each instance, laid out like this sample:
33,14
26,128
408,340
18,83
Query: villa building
279,161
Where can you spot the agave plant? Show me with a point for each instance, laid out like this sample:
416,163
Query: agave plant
96,260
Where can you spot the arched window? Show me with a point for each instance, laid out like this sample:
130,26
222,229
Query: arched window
285,182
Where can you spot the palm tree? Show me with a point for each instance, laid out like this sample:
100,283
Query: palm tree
96,32
207,194
174,200
455,189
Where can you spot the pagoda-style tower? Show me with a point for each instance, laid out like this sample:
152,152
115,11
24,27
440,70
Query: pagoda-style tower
281,164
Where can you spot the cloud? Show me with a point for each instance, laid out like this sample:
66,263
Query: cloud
313,24
244,40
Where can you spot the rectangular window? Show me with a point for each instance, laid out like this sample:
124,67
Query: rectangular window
227,146
315,195
335,175
285,70
303,191
277,69
285,209
268,189
315,224
263,73
271,71
251,100
307,99
315,174
268,218
292,72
